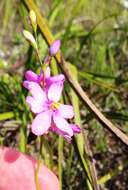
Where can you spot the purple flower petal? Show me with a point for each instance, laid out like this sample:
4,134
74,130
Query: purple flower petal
55,91
66,111
68,138
54,129
41,123
75,128
62,125
54,48
57,78
37,92
35,106
47,72
31,76
26,84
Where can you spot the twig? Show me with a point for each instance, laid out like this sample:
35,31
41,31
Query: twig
75,85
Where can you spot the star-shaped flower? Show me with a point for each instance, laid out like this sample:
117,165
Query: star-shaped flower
51,115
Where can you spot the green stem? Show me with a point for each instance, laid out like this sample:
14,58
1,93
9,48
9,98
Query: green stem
60,159
36,175
61,140
23,136
37,52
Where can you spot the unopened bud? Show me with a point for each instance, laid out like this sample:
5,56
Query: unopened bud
33,20
30,38
54,48
47,60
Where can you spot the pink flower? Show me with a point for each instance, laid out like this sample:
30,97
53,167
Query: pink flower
44,80
51,115
17,172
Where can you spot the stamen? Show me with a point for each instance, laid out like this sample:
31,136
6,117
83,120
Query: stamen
54,106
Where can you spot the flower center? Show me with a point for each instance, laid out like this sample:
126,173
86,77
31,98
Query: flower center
54,106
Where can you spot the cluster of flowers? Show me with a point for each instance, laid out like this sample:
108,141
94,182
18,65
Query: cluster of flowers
51,115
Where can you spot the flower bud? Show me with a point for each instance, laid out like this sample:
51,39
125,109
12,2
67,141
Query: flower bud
47,60
54,48
30,38
33,20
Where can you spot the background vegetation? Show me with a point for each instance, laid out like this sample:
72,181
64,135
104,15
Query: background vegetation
94,37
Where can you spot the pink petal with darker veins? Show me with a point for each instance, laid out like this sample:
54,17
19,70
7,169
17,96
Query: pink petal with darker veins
41,123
